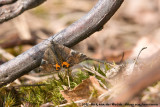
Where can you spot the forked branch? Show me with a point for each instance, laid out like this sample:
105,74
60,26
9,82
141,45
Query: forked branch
78,31
12,8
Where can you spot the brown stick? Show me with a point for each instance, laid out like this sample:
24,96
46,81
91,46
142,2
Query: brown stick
12,8
4,2
70,36
16,41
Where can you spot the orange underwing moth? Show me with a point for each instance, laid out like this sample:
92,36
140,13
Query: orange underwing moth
57,56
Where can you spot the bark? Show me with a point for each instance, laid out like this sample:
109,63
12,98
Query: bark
12,8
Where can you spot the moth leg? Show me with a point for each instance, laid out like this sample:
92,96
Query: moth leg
68,74
69,84
66,65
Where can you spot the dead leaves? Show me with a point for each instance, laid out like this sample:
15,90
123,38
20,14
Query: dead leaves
89,89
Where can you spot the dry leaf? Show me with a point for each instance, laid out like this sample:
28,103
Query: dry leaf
84,90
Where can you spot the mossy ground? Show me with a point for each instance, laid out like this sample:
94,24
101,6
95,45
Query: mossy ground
43,92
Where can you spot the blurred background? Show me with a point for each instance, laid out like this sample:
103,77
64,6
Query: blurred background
135,25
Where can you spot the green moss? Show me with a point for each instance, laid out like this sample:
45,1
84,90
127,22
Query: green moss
44,92
9,97
80,75
38,95
15,51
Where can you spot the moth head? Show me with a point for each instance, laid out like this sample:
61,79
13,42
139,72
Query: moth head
43,62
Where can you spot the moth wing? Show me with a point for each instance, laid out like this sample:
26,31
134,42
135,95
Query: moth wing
76,57
69,55
62,51
57,54
48,61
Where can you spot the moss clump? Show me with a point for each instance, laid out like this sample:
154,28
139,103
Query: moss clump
45,91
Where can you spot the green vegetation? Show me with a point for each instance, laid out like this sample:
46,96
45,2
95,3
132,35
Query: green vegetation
44,92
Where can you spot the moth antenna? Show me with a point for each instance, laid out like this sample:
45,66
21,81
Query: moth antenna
53,38
98,60
139,54
121,58
41,38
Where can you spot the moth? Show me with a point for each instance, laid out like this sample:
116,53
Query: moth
59,56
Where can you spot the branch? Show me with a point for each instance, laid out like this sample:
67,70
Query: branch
12,8
70,36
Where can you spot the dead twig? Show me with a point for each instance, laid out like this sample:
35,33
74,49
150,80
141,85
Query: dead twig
12,8
5,54
16,41
22,27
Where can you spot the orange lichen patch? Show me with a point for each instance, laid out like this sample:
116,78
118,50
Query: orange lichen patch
58,67
65,64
